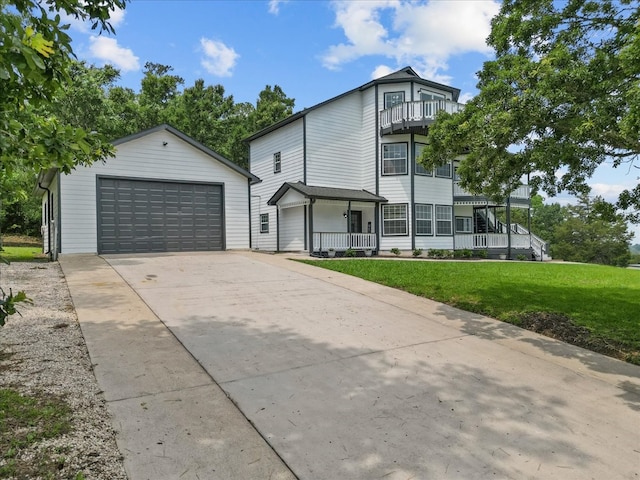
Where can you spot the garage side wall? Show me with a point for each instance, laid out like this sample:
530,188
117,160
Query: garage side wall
148,157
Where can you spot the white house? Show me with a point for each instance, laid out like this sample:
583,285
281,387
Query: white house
342,174
162,192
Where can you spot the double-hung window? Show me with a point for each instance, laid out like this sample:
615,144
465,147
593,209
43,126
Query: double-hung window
264,223
424,219
277,162
444,219
464,225
444,170
393,98
394,219
420,170
394,159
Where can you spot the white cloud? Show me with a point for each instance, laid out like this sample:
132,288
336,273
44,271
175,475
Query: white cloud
107,50
465,97
381,71
274,6
423,34
219,60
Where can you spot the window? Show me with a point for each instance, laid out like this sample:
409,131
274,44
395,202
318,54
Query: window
264,223
394,219
424,219
393,98
443,219
456,176
444,171
464,225
426,95
277,164
420,170
394,159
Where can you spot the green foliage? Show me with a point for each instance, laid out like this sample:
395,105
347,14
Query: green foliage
561,97
522,257
349,252
464,253
440,253
25,420
481,254
604,299
592,232
23,254
395,251
8,304
417,252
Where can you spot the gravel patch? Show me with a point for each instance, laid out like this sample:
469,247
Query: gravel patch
43,352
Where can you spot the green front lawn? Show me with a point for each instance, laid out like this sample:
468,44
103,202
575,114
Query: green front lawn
606,300
23,254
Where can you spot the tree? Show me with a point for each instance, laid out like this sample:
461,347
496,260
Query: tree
593,232
271,107
35,54
561,97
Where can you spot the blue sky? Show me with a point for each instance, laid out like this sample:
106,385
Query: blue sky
313,49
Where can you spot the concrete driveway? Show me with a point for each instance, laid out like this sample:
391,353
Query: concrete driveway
346,379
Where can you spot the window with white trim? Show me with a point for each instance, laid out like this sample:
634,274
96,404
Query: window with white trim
426,95
424,219
393,98
264,223
464,225
277,162
420,170
394,219
444,170
394,159
444,219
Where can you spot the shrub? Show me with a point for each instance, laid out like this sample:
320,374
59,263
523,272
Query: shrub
349,252
481,254
522,257
417,252
395,251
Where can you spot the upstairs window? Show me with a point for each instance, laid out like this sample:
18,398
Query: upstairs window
393,98
426,95
394,159
420,170
277,163
444,171
264,223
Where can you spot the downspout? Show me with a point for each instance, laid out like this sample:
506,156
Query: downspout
49,220
311,245
509,227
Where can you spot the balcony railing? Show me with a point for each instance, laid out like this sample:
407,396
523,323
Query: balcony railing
409,115
520,195
340,241
492,240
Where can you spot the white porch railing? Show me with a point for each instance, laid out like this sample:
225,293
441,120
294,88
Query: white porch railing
339,241
492,240
420,111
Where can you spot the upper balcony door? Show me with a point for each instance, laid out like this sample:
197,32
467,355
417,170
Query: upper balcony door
426,96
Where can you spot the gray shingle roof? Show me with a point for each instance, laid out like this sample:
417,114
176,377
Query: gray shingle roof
325,193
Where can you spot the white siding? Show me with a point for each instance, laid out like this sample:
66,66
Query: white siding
146,157
369,140
292,229
287,140
334,143
50,217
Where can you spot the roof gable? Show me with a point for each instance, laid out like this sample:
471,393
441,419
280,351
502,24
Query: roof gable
406,74
185,138
325,193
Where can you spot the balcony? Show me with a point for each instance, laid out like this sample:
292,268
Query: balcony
519,197
414,117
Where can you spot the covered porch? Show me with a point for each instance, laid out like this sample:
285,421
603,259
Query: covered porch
335,219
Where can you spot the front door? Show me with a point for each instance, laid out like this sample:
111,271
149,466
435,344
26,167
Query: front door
356,221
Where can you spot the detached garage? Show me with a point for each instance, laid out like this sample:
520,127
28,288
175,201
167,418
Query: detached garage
162,192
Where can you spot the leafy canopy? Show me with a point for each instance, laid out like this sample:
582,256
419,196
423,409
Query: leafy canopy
561,97
35,55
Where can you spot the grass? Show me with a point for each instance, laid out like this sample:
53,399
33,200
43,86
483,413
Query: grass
24,421
606,300
23,254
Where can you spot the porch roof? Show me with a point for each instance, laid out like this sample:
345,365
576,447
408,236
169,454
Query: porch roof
325,193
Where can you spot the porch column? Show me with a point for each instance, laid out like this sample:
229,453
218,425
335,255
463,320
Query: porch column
349,223
311,202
